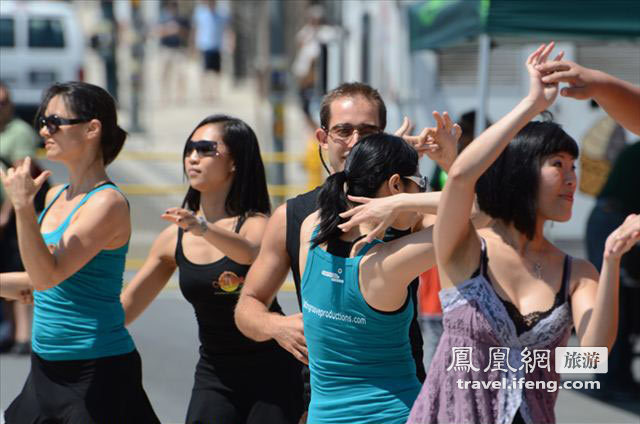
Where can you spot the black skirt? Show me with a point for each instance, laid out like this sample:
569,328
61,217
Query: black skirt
104,390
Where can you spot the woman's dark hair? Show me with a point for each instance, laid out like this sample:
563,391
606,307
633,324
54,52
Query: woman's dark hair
373,160
508,190
248,194
88,101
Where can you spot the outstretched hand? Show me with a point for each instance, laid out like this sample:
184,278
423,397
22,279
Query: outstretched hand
183,218
19,186
623,238
543,95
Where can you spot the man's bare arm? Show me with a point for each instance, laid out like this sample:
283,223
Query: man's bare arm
265,278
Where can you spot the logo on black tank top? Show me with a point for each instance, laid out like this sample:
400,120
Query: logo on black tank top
229,282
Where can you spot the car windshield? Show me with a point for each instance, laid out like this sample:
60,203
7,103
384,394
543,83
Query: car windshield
7,37
46,32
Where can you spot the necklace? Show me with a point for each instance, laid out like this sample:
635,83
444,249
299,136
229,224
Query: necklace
537,265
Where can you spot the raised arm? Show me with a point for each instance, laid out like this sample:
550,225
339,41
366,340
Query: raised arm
594,302
241,247
265,277
152,277
102,222
619,98
457,243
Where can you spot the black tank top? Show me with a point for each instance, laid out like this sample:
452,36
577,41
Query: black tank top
213,290
298,209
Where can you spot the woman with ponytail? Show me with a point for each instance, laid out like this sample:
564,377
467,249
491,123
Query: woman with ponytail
212,241
84,365
355,300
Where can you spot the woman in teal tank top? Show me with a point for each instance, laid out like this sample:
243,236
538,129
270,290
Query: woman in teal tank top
84,365
355,301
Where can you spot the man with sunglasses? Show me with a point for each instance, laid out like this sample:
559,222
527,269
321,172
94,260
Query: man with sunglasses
348,113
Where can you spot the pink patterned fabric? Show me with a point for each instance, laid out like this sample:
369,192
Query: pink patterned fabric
475,317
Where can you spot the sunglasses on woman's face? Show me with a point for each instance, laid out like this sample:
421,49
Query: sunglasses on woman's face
203,147
53,122
421,182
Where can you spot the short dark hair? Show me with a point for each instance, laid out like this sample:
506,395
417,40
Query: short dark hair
88,101
248,194
372,161
352,89
508,190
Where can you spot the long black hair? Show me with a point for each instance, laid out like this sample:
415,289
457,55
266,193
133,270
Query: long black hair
372,161
88,101
248,194
508,190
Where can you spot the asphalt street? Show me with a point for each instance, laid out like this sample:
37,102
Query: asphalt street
166,337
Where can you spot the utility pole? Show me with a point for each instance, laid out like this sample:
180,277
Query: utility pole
277,87
137,66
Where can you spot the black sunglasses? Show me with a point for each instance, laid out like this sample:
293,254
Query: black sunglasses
421,181
203,147
53,122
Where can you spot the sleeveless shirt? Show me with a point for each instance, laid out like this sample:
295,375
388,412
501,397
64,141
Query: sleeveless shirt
82,317
213,290
361,365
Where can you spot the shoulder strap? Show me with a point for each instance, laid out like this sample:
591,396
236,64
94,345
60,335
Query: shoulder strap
566,277
241,220
87,196
43,213
178,253
367,246
484,257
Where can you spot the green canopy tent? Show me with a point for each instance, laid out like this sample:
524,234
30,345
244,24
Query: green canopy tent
436,24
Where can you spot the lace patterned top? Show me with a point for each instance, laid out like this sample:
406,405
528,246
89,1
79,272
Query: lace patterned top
528,321
476,320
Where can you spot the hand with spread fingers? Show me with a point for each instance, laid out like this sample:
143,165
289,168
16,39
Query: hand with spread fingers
445,136
19,186
623,238
540,93
186,219
419,142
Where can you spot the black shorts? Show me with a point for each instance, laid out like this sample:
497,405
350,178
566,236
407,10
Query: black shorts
257,388
93,391
211,60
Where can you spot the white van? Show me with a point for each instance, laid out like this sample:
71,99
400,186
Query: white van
41,42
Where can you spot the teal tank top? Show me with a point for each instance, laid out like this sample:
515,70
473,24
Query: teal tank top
362,370
82,317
